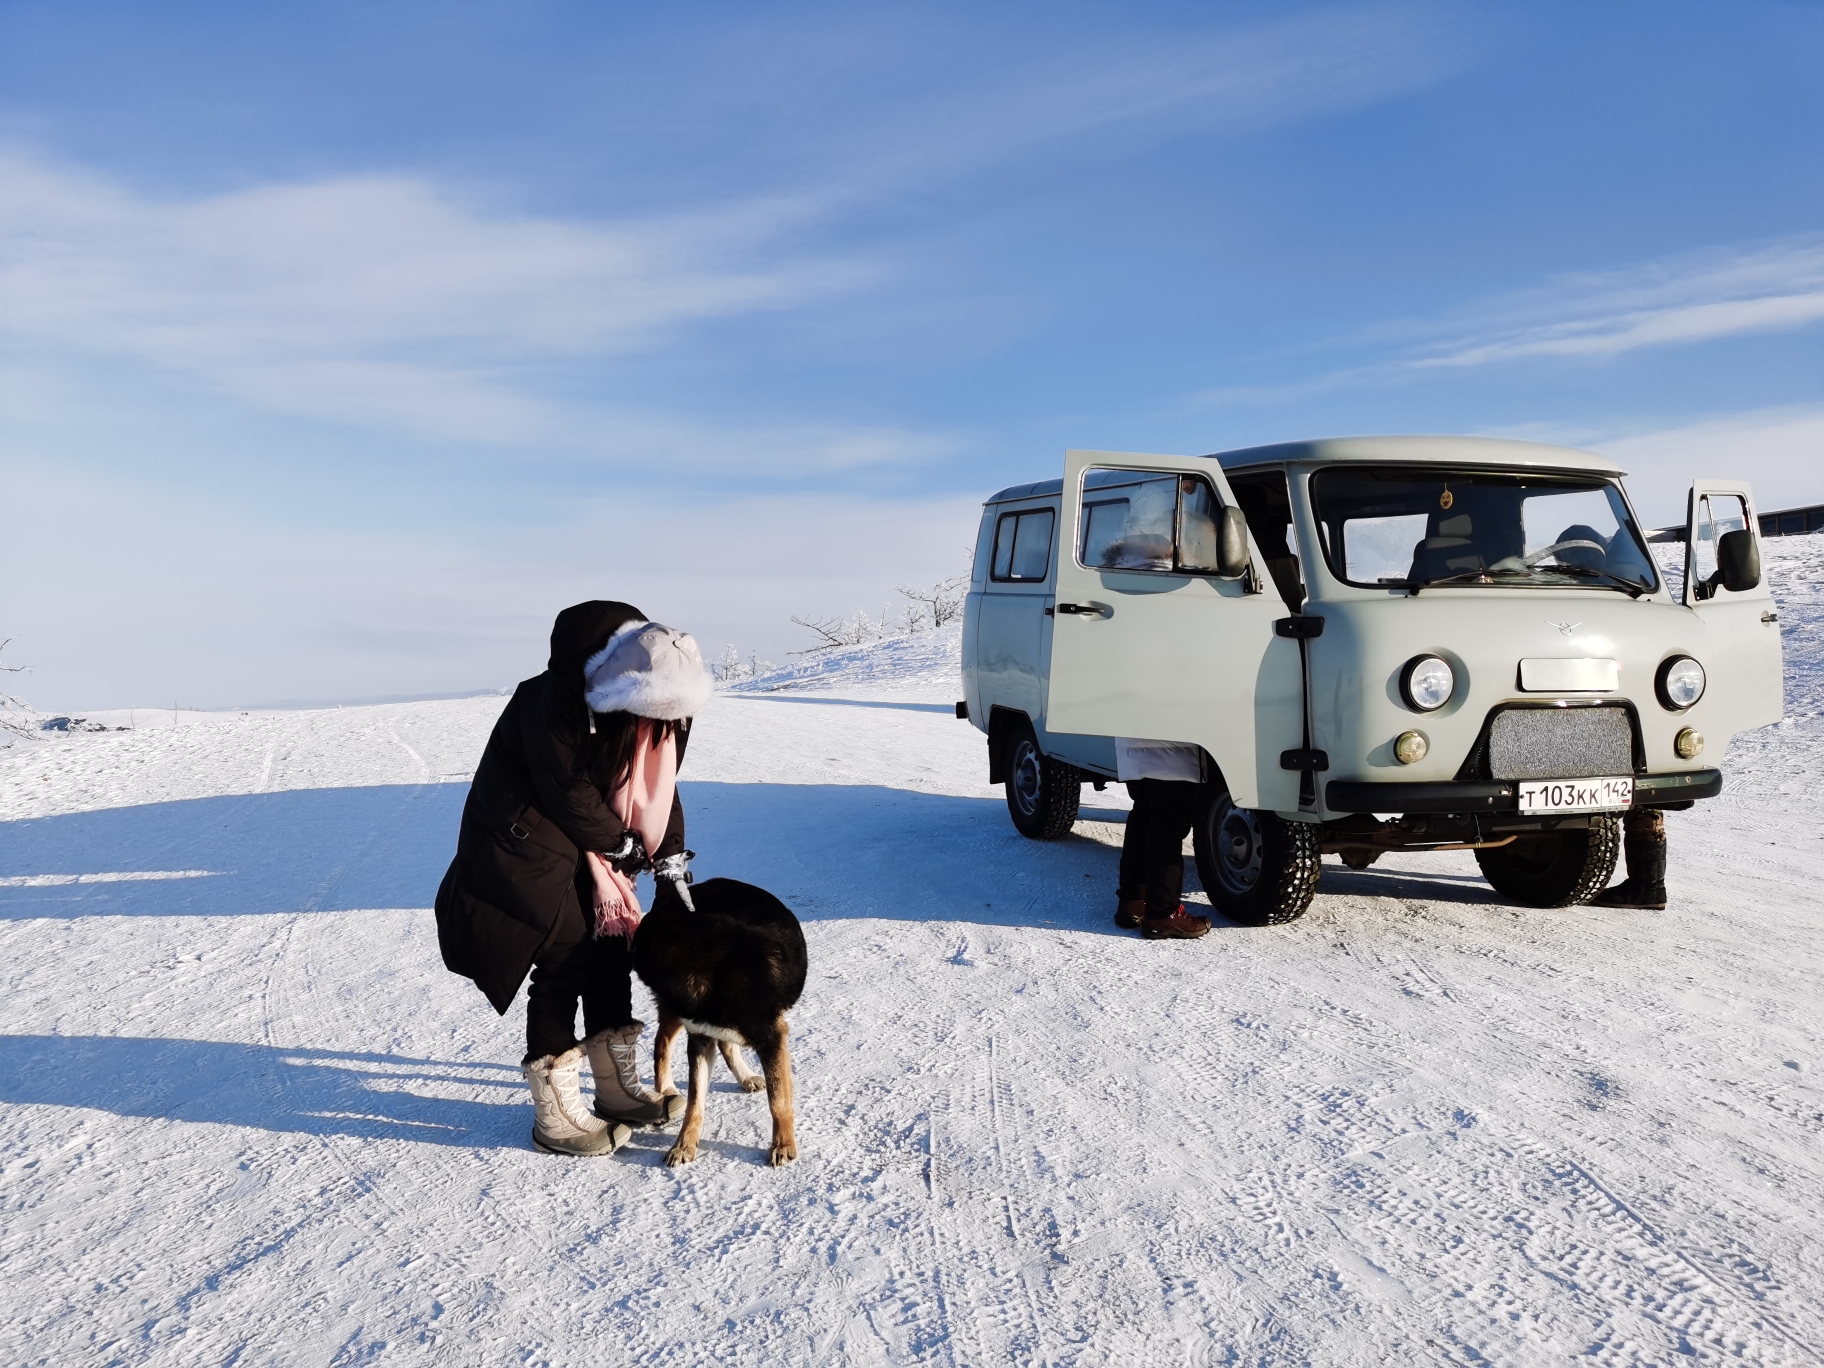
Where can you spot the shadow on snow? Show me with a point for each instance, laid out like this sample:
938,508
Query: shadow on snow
311,1092
830,851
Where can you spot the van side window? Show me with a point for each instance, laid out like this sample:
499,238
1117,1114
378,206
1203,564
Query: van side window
1716,514
1138,520
1266,502
1022,545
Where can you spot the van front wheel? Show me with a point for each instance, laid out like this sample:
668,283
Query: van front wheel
1258,868
1554,868
1042,793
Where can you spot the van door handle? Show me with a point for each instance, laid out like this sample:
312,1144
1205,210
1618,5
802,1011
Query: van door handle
1092,609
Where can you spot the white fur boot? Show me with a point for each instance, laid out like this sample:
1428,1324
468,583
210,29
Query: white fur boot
619,1094
562,1124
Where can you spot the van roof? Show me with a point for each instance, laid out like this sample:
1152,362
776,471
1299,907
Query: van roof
1499,451
1037,489
1453,450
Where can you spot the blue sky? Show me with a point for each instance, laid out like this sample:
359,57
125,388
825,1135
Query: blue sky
340,345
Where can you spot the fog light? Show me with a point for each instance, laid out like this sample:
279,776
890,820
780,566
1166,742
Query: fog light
1410,747
1689,743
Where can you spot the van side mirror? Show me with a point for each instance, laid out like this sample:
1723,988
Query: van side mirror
1232,545
1738,561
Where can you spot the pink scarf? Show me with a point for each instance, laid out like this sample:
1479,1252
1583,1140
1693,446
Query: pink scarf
643,803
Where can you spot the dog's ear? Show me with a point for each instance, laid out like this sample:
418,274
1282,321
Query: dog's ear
665,895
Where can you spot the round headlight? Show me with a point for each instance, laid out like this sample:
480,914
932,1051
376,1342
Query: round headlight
1680,683
1426,683
1410,747
1688,744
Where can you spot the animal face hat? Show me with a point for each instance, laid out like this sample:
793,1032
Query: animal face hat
649,670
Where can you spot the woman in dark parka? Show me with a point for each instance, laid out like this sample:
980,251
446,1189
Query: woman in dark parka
519,895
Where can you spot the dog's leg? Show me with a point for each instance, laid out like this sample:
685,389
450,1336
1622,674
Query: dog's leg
669,1027
702,1055
776,1059
746,1077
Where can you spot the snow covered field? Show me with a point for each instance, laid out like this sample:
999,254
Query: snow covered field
246,1117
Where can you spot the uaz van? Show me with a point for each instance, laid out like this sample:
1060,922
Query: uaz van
1363,645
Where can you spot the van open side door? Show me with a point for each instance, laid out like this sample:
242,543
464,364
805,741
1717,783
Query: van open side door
1726,587
1153,640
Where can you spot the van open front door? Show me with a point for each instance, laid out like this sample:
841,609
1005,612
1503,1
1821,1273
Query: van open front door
1726,586
1156,635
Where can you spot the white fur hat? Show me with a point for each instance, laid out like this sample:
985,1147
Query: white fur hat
649,670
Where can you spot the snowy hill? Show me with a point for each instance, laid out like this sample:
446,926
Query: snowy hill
926,663
246,1116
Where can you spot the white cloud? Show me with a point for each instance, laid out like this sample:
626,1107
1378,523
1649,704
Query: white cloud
374,299
1140,89
1780,452
1680,300
1677,300
184,592
397,302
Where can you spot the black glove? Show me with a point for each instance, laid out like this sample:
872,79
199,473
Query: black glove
629,857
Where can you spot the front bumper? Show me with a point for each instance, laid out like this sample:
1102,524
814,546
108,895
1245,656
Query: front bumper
1650,790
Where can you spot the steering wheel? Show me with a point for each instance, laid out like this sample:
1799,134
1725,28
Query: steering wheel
1528,562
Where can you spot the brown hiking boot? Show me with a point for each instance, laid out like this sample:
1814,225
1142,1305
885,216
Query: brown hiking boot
1179,926
1130,911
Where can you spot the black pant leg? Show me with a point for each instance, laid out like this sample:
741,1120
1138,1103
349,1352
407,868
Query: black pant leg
608,985
555,986
1133,843
1643,846
1172,803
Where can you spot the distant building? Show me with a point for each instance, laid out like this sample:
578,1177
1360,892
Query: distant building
1782,522
1790,522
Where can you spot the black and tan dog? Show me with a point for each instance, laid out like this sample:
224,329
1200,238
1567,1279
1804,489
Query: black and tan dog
724,961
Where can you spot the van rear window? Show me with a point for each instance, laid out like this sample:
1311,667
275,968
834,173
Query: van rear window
1022,545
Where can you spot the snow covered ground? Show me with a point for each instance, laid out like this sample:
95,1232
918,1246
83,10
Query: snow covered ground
246,1117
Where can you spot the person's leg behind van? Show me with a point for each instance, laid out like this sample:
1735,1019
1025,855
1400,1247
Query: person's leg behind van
1643,846
1130,897
1169,806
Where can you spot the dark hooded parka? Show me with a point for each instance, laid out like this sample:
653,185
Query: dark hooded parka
537,803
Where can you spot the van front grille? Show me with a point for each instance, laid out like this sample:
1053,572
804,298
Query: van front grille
1559,743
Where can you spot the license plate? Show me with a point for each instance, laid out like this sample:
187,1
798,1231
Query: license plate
1576,795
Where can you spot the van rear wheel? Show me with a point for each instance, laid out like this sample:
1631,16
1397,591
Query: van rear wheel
1555,868
1258,868
1042,793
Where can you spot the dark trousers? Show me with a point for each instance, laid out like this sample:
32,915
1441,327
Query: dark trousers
1643,846
1152,851
574,965
1647,822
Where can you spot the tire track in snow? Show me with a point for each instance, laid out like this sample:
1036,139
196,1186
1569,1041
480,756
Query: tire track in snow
279,999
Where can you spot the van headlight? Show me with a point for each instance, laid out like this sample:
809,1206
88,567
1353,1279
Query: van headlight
1426,683
1680,683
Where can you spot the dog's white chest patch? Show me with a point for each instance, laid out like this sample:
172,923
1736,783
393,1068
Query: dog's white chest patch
732,1036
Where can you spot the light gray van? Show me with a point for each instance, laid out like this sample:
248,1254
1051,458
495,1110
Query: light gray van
1367,644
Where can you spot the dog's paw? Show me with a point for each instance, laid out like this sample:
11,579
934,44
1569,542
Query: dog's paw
752,1084
783,1154
680,1153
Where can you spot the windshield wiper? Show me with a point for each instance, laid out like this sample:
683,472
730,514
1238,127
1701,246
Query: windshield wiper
1465,577
1633,587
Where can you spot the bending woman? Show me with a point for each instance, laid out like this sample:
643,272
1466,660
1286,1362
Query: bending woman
576,794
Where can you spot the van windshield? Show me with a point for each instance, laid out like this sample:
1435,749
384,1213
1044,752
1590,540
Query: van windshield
1414,526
